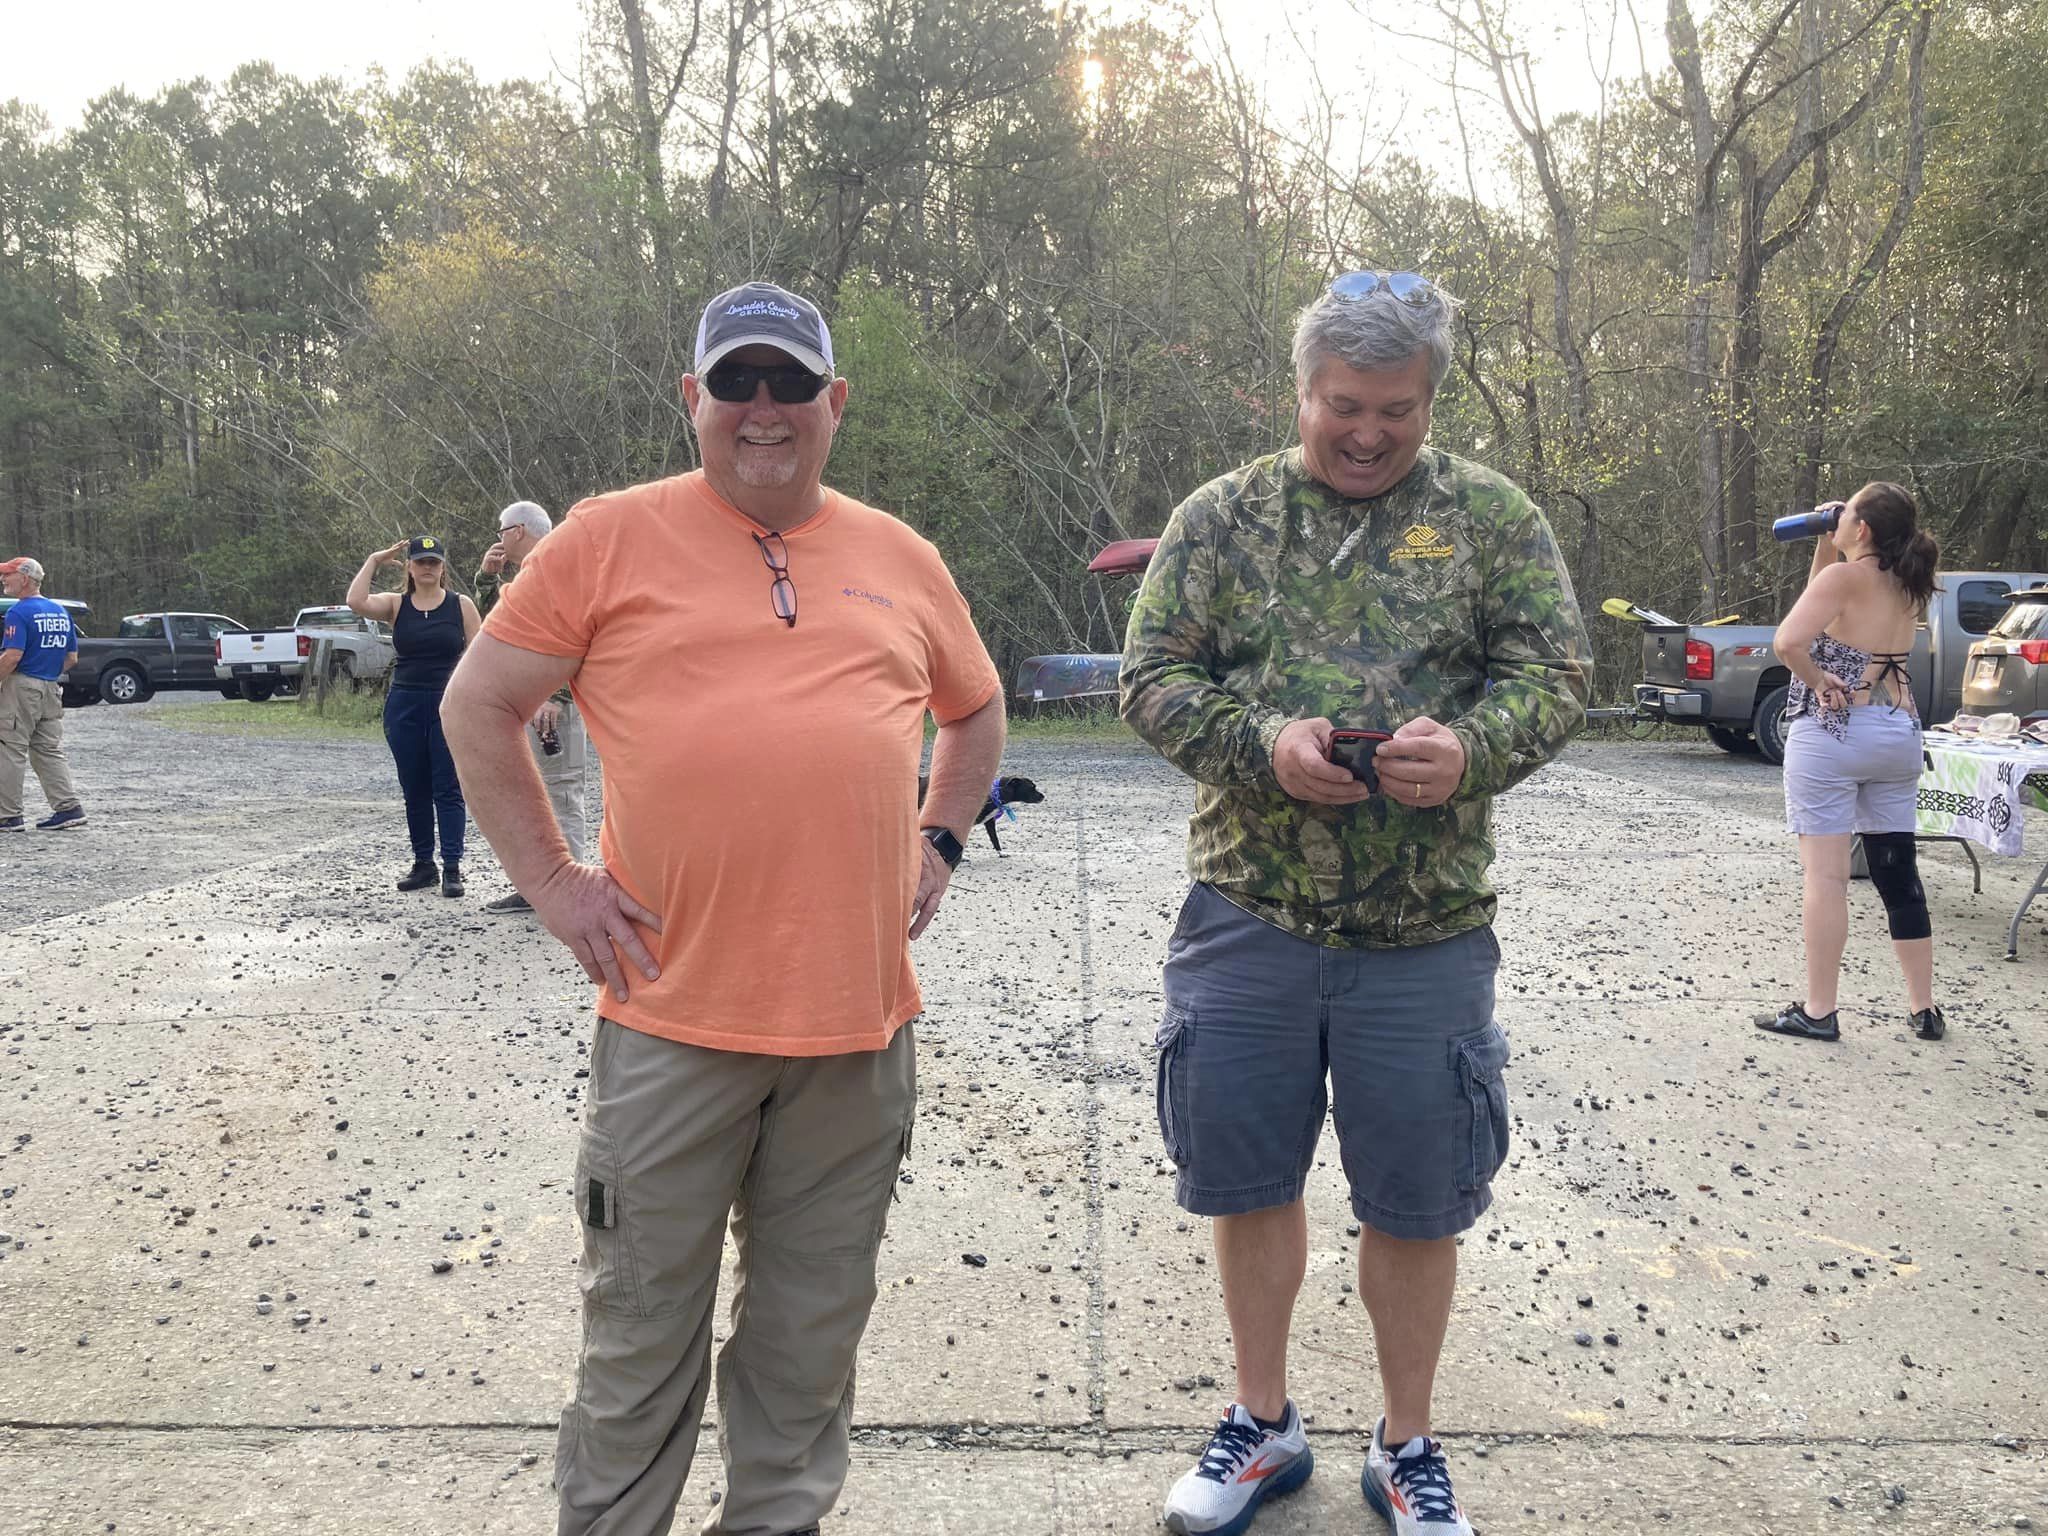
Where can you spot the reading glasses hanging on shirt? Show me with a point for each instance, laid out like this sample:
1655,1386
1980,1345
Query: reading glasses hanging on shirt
782,591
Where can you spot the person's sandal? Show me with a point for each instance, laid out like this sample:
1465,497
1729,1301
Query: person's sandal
1794,1020
1928,1024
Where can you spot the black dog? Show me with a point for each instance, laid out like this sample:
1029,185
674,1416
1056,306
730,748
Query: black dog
1009,791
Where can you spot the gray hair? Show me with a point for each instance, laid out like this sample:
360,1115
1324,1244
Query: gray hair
1375,333
527,515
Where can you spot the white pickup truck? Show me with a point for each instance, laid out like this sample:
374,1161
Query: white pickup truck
261,661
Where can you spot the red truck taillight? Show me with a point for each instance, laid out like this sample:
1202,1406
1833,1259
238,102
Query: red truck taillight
306,646
216,650
1699,662
2035,651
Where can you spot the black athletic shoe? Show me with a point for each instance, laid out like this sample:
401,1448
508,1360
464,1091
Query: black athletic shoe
422,874
451,879
1794,1020
1928,1024
504,904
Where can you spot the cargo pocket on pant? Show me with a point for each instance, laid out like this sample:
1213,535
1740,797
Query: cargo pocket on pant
1176,1027
1482,1062
608,1279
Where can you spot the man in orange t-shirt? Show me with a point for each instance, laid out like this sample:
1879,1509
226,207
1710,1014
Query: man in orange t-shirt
754,655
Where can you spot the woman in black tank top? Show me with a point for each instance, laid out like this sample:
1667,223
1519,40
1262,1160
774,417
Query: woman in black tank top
430,627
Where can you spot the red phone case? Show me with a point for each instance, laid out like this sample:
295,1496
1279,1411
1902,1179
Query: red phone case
1360,762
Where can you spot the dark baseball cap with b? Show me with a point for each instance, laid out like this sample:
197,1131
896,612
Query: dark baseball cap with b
425,546
763,315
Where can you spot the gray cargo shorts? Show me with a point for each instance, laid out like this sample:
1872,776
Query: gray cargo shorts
1255,1022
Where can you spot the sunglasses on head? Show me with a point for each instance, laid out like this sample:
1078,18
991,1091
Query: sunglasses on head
788,383
1408,287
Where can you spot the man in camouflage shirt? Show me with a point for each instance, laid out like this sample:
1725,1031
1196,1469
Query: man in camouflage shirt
1361,581
521,527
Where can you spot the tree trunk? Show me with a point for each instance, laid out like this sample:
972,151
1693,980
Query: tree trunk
1996,548
647,125
1806,482
741,15
774,111
1745,363
1699,278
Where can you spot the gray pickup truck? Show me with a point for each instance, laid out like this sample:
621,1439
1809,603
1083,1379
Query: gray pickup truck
1726,678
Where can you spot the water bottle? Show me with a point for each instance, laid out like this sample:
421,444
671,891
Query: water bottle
1808,525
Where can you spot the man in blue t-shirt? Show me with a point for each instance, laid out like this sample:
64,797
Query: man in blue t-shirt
38,645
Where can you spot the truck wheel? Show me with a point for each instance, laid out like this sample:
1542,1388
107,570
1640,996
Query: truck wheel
77,698
1728,739
256,691
231,691
123,684
1768,724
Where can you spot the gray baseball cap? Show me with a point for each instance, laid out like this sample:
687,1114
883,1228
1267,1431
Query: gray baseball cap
761,314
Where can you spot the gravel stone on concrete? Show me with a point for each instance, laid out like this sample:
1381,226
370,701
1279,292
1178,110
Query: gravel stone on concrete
287,1242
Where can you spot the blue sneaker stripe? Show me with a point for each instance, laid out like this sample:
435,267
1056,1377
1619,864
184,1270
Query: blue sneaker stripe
1279,1483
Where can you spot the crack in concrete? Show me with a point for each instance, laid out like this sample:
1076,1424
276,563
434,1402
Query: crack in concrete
1025,1437
1091,1137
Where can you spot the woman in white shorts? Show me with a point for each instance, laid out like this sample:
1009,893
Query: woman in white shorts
1852,747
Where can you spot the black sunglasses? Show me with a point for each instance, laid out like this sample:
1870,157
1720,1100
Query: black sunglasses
1408,287
788,383
782,591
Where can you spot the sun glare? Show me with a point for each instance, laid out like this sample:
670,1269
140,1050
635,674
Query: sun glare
1091,81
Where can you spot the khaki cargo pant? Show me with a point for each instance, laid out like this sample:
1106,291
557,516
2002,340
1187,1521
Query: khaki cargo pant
802,1153
32,736
561,773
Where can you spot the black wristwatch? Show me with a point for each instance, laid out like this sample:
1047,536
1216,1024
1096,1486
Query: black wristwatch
947,844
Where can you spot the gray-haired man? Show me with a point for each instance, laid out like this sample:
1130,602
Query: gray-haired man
1338,940
555,734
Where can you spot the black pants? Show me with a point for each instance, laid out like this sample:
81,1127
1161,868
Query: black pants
426,772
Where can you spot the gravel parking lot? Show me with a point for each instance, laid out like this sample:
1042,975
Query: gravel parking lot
286,1241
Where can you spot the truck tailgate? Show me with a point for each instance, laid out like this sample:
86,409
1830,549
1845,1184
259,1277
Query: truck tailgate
259,646
1664,657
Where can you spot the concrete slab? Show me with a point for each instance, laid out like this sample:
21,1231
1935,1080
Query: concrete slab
1666,1155
447,1481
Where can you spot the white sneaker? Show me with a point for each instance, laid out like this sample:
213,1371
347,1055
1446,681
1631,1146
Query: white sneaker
1242,1465
1410,1487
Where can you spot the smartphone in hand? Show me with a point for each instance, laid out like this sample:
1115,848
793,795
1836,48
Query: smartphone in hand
1354,750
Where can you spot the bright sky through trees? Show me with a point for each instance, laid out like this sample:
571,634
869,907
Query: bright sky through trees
1384,72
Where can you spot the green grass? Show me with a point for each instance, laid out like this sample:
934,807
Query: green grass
1069,723
348,716
1078,721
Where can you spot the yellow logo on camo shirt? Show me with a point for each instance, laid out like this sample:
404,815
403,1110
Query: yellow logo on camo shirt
1422,542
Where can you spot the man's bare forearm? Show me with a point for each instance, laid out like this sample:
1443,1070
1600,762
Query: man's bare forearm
503,788
964,759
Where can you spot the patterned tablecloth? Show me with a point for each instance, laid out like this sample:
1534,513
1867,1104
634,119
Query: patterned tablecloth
1976,789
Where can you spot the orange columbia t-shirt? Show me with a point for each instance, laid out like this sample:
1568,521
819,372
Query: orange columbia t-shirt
760,781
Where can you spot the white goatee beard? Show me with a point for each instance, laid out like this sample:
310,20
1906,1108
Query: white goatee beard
765,474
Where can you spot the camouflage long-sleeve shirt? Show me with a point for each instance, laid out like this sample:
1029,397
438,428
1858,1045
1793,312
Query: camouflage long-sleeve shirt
1272,598
489,584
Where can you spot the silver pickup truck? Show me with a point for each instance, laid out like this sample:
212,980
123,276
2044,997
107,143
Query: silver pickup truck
1727,679
259,662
